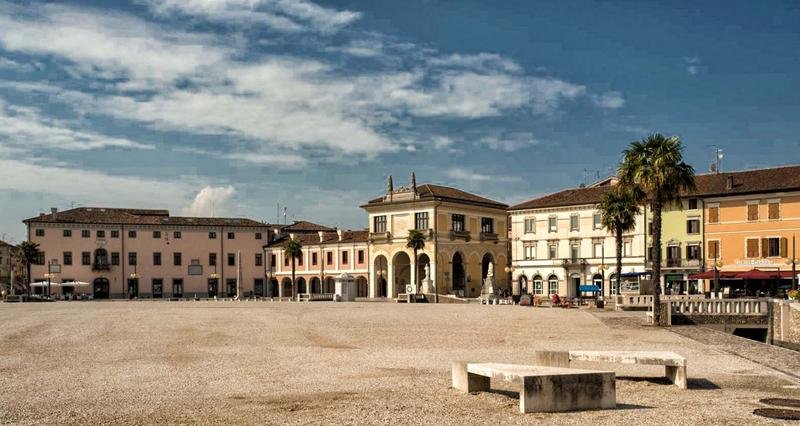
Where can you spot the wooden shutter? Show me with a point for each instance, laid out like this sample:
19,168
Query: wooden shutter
784,247
713,249
752,248
765,247
774,211
752,212
713,214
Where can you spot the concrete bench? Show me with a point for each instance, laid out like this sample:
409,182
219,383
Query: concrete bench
542,389
674,364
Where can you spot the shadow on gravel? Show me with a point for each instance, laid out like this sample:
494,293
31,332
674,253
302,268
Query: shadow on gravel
632,407
703,384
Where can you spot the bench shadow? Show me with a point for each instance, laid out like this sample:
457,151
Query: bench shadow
515,396
632,407
704,384
507,393
695,383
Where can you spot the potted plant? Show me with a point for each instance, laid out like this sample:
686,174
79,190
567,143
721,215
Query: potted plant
793,294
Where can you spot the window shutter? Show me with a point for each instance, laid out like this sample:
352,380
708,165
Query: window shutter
784,246
764,247
713,214
774,211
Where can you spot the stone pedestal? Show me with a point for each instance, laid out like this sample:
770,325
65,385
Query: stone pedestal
489,286
427,285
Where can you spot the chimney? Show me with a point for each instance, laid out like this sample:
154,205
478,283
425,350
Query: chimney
54,212
729,183
291,235
321,236
339,233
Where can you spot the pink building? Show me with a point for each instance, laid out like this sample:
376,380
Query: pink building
148,253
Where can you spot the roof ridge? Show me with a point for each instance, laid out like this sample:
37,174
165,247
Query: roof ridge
756,169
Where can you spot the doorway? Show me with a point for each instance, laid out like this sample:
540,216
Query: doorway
213,288
101,288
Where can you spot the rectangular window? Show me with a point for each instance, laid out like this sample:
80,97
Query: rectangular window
537,287
574,252
67,258
156,234
713,215
177,287
40,232
86,258
177,259
458,222
67,233
693,226
285,260
774,249
329,258
115,258
552,251
258,235
752,211
651,253
176,235
344,257
131,234
692,203
101,233
529,249
273,260
300,259
361,256
231,235
156,259
552,224
693,252
85,233
314,259
421,221
627,248
212,235
487,225
574,223
379,224
231,259
212,259
774,210
158,288
114,233
132,258
752,248
530,225
597,221
713,249
259,259
597,250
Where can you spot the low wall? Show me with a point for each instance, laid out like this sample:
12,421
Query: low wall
784,324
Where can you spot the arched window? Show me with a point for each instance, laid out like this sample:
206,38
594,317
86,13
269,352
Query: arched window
538,288
553,284
523,284
598,281
614,284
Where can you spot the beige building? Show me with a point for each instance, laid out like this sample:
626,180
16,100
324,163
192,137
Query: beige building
148,253
465,233
6,263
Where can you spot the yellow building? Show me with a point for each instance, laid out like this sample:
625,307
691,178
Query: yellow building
681,245
465,234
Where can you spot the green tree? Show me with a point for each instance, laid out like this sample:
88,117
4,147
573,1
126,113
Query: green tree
654,170
618,209
293,249
28,253
416,242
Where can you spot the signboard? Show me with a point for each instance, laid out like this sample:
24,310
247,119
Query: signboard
754,262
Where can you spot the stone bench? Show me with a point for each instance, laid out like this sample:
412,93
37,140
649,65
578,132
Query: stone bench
542,389
674,364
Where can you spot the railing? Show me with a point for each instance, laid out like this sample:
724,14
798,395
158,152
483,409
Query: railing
101,267
314,297
488,236
459,235
566,263
677,263
646,300
380,236
719,307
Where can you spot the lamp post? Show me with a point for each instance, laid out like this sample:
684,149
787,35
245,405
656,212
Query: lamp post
509,270
134,279
717,265
793,261
213,276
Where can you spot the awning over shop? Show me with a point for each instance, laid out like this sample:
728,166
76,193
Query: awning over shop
753,274
634,274
589,289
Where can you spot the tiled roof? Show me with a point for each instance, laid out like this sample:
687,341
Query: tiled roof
115,216
567,197
429,191
5,244
775,179
307,239
306,226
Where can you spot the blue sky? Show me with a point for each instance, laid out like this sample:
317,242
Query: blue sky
229,107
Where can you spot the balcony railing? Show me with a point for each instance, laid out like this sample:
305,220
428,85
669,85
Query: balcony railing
677,263
488,236
380,236
571,262
459,235
101,266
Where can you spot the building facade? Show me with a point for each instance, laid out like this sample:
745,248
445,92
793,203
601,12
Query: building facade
6,263
464,235
558,243
681,245
750,220
148,253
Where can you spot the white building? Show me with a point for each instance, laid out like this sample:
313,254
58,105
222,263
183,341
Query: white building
558,243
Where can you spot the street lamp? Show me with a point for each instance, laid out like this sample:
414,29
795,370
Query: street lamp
133,279
717,265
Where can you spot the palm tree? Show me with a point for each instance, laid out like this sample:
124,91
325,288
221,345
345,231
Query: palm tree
28,253
416,242
293,249
618,209
654,169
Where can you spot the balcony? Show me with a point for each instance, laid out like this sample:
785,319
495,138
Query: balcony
676,263
385,236
101,266
488,236
574,262
459,235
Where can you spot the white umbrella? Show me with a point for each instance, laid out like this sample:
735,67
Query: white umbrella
75,283
44,284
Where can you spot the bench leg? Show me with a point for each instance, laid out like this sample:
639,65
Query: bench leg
467,382
551,359
677,375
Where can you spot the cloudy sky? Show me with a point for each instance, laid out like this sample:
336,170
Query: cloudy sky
230,107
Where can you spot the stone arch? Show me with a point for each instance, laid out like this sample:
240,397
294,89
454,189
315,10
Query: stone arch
458,273
538,285
552,284
401,272
381,272
286,285
423,260
524,287
301,285
329,286
273,287
362,286
315,285
485,261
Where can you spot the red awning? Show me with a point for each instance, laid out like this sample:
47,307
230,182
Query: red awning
757,274
709,275
753,274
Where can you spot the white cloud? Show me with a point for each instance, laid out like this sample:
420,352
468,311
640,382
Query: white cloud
471,177
611,100
441,142
280,15
479,62
692,66
360,48
280,161
509,142
26,127
209,201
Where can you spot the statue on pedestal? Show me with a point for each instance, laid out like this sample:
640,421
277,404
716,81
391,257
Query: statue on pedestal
427,283
488,282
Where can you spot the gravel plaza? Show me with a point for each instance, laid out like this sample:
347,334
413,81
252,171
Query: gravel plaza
345,363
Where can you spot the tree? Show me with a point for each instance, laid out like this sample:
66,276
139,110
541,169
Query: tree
618,209
416,242
28,253
654,170
293,249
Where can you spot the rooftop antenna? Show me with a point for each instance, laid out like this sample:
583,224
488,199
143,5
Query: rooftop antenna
284,215
716,165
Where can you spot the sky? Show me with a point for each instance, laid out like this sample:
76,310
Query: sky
236,107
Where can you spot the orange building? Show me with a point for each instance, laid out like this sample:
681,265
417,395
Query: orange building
751,218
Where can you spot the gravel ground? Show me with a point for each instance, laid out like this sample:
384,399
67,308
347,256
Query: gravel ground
324,363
